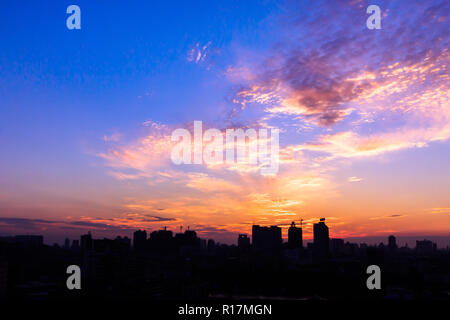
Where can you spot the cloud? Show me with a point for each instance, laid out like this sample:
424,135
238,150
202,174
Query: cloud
329,71
25,222
91,224
202,54
388,217
114,137
198,53
151,218
206,183
440,210
39,224
348,144
147,153
337,90
126,221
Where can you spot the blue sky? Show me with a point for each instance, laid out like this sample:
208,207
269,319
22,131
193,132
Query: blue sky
86,114
127,64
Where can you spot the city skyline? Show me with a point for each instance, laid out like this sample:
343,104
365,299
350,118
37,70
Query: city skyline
166,266
401,241
87,117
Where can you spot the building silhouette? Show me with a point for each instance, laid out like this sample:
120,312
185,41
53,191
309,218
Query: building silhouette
295,236
182,265
67,243
392,244
30,241
3,279
425,246
337,246
161,235
243,241
75,244
211,245
86,242
266,238
190,238
139,240
321,239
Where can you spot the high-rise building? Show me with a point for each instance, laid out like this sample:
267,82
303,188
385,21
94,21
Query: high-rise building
190,237
211,244
122,243
337,246
161,235
266,238
86,242
162,239
67,243
3,278
425,246
392,243
139,239
75,244
243,241
295,236
321,239
30,241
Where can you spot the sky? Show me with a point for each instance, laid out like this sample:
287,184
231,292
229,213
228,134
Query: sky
86,117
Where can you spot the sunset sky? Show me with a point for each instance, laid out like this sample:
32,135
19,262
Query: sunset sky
86,116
